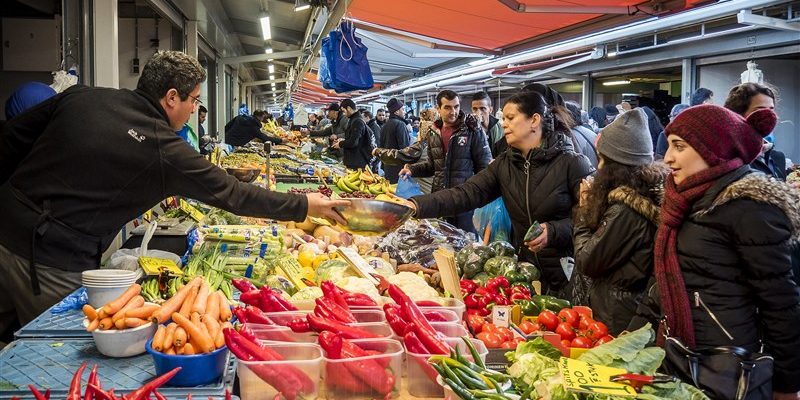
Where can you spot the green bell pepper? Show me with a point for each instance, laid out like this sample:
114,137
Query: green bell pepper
528,308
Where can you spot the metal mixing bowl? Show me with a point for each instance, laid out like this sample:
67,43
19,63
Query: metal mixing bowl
246,175
375,216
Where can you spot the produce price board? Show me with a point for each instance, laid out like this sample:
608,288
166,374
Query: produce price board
51,363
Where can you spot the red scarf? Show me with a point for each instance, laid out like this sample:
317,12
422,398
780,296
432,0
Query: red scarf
678,201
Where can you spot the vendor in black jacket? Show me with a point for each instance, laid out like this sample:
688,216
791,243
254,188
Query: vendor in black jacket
358,141
76,168
244,128
394,136
538,177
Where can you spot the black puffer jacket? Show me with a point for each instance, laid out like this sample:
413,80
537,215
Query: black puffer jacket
618,256
394,136
357,144
541,188
468,154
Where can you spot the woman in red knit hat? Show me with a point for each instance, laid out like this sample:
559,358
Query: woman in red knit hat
722,255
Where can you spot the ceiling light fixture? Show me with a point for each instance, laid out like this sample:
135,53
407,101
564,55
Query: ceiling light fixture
616,83
271,77
265,27
612,53
268,50
302,8
271,68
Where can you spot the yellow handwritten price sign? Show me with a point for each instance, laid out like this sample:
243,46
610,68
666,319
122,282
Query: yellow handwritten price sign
194,213
155,266
583,377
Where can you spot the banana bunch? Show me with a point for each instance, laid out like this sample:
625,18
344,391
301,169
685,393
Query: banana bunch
363,180
272,127
150,291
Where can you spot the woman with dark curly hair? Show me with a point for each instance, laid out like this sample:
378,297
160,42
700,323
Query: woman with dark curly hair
617,220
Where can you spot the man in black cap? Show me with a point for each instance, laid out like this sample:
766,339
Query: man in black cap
358,141
338,125
394,135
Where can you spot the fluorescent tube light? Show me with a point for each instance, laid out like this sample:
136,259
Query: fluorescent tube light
616,83
302,8
265,28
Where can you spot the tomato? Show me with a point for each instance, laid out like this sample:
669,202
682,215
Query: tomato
566,331
527,327
604,339
476,322
583,311
493,340
566,343
489,327
519,340
505,333
509,345
570,316
582,342
548,320
597,330
584,323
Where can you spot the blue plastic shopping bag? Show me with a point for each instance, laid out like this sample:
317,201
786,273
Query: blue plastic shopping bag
407,187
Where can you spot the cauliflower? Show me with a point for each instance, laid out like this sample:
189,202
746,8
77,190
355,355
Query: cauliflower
359,285
414,286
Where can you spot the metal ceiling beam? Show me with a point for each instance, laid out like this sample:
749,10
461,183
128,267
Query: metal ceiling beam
747,17
266,82
567,76
261,57
526,8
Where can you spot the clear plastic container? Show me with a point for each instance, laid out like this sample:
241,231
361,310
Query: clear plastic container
457,306
440,315
341,382
422,377
278,333
362,316
302,364
308,305
450,329
381,329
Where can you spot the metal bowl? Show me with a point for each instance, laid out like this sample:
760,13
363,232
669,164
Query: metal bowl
374,216
246,175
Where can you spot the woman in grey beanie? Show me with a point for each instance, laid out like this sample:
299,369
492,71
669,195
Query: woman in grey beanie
617,220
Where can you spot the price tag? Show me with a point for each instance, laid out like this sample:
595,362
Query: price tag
359,263
583,377
194,213
155,266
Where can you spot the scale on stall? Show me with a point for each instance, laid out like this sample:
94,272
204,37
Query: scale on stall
170,236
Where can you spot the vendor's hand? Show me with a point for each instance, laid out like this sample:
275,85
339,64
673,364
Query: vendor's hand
537,244
405,172
375,152
321,206
785,396
335,145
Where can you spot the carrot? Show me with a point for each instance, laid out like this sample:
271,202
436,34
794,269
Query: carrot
135,302
188,349
143,312
119,302
158,339
173,304
169,337
201,301
224,307
180,337
93,325
213,327
219,341
206,344
170,351
212,308
186,307
90,312
119,324
179,350
106,323
134,322
101,313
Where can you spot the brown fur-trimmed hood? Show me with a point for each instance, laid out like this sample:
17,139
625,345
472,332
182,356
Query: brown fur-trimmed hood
636,201
760,188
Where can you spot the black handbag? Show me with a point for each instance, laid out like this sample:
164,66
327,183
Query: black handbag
723,373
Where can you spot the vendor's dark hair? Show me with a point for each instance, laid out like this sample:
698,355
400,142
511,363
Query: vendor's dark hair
202,108
445,94
478,96
740,96
171,70
700,96
530,103
646,180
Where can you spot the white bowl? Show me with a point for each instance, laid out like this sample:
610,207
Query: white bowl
108,274
100,296
128,282
123,343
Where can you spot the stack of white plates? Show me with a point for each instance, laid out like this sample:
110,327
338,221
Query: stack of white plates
108,278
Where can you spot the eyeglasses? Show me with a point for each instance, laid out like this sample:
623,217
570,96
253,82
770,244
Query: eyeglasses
195,100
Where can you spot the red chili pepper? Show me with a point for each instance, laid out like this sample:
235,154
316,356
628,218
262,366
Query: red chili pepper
330,291
100,393
244,285
383,361
324,312
241,316
359,300
36,393
341,378
367,370
434,316
254,347
427,303
422,327
144,392
392,312
299,325
74,392
414,345
189,396
158,395
228,394
341,314
47,394
252,297
256,316
331,343
247,332
279,298
89,394
320,324
270,302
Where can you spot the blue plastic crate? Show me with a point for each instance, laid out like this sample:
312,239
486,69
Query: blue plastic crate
68,324
51,363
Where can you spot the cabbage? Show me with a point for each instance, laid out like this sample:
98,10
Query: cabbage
382,267
307,293
333,270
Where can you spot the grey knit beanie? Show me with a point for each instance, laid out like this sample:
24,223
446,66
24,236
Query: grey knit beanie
627,140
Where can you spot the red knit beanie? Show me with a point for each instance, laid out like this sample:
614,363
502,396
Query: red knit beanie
720,135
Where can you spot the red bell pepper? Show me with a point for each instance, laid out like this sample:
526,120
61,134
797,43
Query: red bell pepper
256,316
299,325
517,288
330,309
359,300
501,300
468,285
471,301
393,317
320,324
244,285
482,291
422,327
74,392
330,291
498,284
143,392
519,296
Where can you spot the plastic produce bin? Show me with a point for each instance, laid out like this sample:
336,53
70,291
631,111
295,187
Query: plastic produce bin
302,364
196,370
362,316
456,306
278,333
450,329
422,377
342,383
440,315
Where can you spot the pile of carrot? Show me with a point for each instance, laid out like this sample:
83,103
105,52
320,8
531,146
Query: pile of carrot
126,311
198,318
